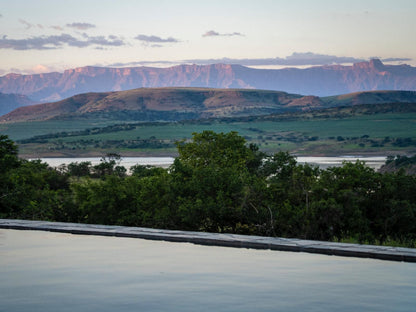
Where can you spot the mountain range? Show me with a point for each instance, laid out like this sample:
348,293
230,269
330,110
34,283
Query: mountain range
156,104
319,81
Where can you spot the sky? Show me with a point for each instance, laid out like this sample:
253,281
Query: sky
39,36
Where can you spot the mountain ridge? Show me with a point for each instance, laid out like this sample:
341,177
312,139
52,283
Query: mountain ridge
327,80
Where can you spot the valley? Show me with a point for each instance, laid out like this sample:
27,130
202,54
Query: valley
329,132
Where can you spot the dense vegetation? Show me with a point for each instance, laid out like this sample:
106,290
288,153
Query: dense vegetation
218,183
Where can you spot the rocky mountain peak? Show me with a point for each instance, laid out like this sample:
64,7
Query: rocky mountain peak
373,64
377,64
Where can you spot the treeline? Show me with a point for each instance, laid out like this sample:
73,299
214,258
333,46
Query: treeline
218,183
108,129
150,143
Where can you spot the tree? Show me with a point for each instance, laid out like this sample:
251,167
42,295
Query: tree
109,164
82,169
8,154
211,178
218,149
33,191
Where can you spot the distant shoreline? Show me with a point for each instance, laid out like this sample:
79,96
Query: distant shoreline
164,161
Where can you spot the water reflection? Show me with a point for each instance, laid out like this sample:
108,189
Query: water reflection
43,271
324,162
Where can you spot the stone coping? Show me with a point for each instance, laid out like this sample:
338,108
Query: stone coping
216,239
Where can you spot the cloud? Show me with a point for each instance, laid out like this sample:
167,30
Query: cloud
81,26
26,23
141,63
155,39
296,59
103,41
56,27
1,15
30,25
56,42
396,59
37,69
213,33
310,58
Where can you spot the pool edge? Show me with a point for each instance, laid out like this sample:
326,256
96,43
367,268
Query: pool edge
218,239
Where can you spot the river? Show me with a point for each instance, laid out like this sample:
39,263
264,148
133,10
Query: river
323,162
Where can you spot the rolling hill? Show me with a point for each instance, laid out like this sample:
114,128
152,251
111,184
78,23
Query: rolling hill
166,104
370,97
172,104
319,80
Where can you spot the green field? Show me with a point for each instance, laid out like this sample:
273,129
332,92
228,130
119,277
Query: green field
378,133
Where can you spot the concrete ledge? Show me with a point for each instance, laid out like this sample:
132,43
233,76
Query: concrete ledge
226,240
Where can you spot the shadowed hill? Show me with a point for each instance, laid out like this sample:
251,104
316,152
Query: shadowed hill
162,104
165,102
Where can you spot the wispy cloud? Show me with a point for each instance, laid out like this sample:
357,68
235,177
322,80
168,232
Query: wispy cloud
213,33
155,39
26,23
56,42
396,59
56,27
141,63
30,25
296,59
37,69
81,26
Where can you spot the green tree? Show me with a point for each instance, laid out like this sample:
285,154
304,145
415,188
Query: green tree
34,191
82,169
8,154
210,179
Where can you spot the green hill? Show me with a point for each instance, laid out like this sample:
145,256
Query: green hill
164,104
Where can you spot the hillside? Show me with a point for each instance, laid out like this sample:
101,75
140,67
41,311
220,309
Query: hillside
319,80
370,97
173,104
166,104
9,102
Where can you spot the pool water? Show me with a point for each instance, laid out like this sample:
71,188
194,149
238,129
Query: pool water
45,271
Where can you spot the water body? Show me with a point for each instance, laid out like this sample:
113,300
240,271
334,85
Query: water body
127,162
45,271
374,162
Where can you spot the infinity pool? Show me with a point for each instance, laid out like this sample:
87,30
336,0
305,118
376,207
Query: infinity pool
44,271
